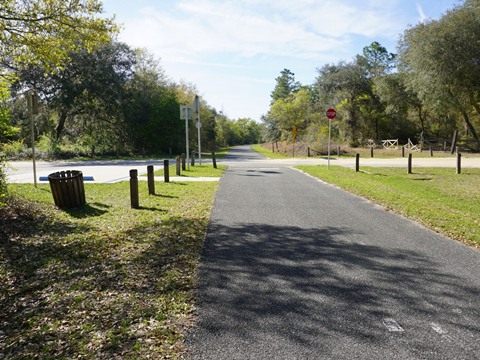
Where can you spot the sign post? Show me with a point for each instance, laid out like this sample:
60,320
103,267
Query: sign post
186,113
294,131
196,110
331,113
32,109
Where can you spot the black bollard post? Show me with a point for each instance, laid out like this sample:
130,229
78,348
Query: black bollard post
151,180
459,163
178,163
166,171
134,201
214,160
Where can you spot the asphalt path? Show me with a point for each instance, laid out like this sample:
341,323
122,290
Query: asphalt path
294,268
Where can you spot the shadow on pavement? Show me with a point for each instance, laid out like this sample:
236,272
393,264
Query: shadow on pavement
307,287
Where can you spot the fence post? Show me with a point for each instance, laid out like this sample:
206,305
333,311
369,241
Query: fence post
151,180
371,151
214,160
177,159
184,166
134,201
459,163
357,162
454,142
166,171
431,151
409,163
403,151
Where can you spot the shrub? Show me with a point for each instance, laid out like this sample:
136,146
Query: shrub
3,182
14,149
48,147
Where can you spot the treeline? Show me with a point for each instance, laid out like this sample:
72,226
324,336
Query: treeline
112,101
100,97
430,88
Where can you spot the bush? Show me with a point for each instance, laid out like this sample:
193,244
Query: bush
15,150
3,182
48,147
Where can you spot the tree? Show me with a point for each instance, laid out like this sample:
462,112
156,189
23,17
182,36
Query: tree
378,61
225,133
347,85
285,86
271,128
7,131
151,107
398,102
292,111
247,130
442,62
185,96
90,88
46,32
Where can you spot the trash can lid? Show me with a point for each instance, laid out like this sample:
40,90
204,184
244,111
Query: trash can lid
68,174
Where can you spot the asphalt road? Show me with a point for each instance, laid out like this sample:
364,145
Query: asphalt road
294,268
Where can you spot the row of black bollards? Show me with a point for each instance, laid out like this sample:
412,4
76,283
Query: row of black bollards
180,163
410,161
134,198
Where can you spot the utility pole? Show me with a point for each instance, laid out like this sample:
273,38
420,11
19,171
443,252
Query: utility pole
32,109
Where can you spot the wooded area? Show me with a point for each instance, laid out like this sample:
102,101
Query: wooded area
425,92
92,95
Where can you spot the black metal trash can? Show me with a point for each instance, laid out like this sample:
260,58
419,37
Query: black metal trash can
67,189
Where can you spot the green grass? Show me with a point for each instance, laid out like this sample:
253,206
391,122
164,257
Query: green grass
436,197
346,151
105,281
268,152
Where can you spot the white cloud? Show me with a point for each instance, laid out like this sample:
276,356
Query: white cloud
421,13
304,30
233,50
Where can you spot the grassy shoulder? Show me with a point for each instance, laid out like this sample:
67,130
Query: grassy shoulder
347,151
438,198
105,281
268,152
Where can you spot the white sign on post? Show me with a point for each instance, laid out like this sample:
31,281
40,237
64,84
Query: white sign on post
196,110
186,112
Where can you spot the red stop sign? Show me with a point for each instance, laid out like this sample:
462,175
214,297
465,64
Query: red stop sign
331,113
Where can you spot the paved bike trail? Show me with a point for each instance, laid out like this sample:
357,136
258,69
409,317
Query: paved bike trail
294,268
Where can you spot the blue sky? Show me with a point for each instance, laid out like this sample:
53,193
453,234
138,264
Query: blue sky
233,50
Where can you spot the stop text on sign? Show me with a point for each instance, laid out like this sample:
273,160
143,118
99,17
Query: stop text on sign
331,113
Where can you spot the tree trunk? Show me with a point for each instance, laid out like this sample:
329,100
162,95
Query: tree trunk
469,125
474,102
422,118
61,124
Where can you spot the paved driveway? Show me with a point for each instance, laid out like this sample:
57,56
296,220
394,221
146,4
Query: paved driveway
296,269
